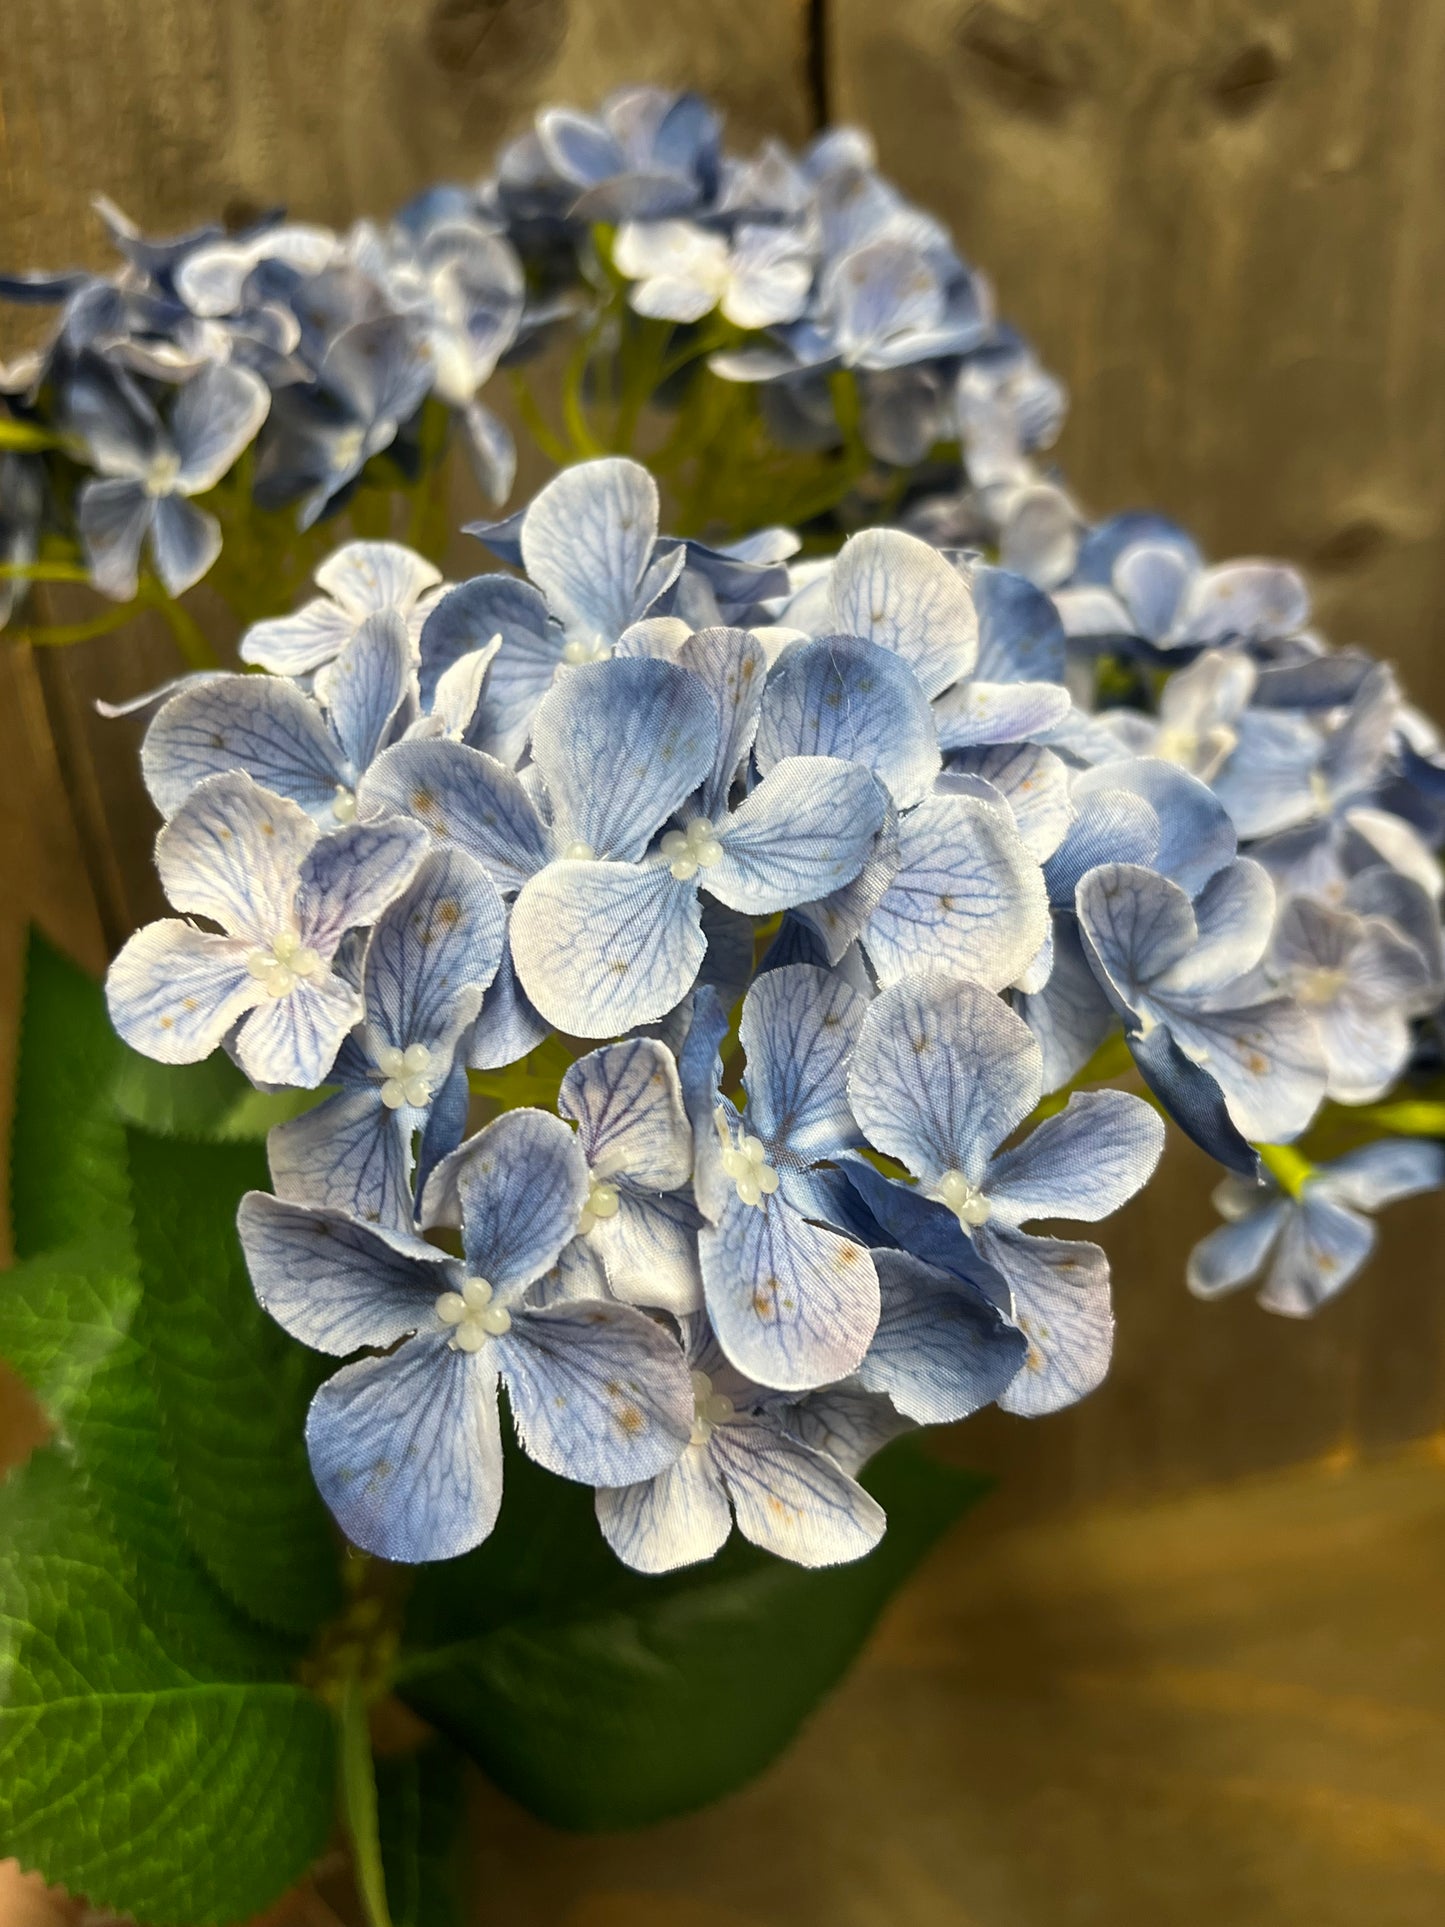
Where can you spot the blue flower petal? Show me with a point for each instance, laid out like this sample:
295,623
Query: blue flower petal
1070,1016
366,684
587,540
805,830
520,1183
1233,916
1085,1162
603,947
335,1283
1266,1058
620,745
648,1250
679,1518
293,1040
893,589
260,724
1233,1254
799,1026
1135,925
232,852
174,992
793,1304
1378,1174
842,697
967,896
407,1451
1193,1099
998,712
113,516
1196,836
732,665
942,1350
1035,785
349,1152
1061,1305
464,798
848,1423
216,415
942,1072
467,618
508,1026
432,953
598,1391
1322,1246
794,1501
350,877
1020,636
626,1102
185,541
295,645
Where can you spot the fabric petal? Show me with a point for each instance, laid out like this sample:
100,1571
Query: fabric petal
295,645
349,1152
1267,1059
232,853
113,516
858,702
599,1392
465,798
293,1040
1032,781
1193,1099
365,686
520,1183
1070,1016
943,1071
351,876
432,953
216,415
1135,926
679,1518
793,1501
805,830
1020,636
942,1350
798,1030
626,1102
1233,1254
586,542
185,541
648,1250
174,992
974,713
893,589
732,666
407,1451
1379,1174
1321,1248
260,724
603,947
1061,1305
1084,1163
366,576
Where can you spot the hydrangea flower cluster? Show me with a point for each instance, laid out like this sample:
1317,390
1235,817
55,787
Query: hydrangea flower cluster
710,965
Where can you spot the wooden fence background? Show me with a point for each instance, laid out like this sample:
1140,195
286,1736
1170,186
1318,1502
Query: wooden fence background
1223,222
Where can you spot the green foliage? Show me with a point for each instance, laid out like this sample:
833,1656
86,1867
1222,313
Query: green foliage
600,1698
421,1798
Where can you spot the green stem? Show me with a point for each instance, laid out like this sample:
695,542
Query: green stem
551,445
1408,1116
43,572
27,438
358,1805
1290,1169
574,413
61,635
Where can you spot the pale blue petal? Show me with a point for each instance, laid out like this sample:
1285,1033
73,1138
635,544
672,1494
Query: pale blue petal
216,415
626,1102
185,541
349,1152
1267,1059
232,852
603,947
464,798
900,1214
620,745
465,619
335,1283
799,1026
432,953
893,589
366,576
1322,1246
1109,826
407,1451
942,1072
1233,1254
942,1350
1234,914
351,876
1267,785
508,1026
1135,925
366,684
587,540
732,665
490,449
174,991
1193,1099
841,697
599,1392
1061,1305
999,712
1196,836
846,1422
113,516
837,921
1070,1016
260,724
648,1250
296,645
293,1040
1020,636
1035,785
793,1304
1379,1174
805,830
1085,1162
1244,601
679,1518
793,1501
1150,579
520,1183
967,898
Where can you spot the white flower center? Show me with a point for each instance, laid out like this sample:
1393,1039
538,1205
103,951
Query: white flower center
1320,791
710,1409
601,1202
1319,985
472,1315
746,1162
410,1075
1193,747
343,805
161,473
965,1200
348,449
578,852
598,650
285,964
693,849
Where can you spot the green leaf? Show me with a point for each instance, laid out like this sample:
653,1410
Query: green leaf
600,1698
185,1783
190,1100
231,1387
422,1799
63,1314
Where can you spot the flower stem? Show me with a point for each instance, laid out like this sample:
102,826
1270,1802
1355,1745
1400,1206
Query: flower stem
358,1805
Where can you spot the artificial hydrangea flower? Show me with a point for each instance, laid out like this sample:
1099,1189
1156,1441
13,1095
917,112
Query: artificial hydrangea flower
756,279
359,580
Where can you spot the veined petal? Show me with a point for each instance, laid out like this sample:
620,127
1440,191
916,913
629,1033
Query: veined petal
335,1283
1320,1249
365,685
508,1026
216,415
432,954
974,713
798,1030
349,1152
407,1451
620,746
1193,1098
732,666
263,725
858,702
679,1518
893,589
793,1304
626,1102
520,1183
464,798
296,645
349,878
113,515
1061,1305
648,1250
1032,781
1135,925
967,897
942,1349
942,1072
293,1040
232,852
1070,1016
174,992
603,947
586,542
598,1391
1233,1254
847,1422
1085,1162
793,1501
1020,636
1267,1059
1233,914
366,576
185,541
805,830
1381,1173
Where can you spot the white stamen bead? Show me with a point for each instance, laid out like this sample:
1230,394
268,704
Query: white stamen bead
343,805
964,1199
287,963
693,849
602,1202
710,1409
746,1162
472,1315
409,1076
